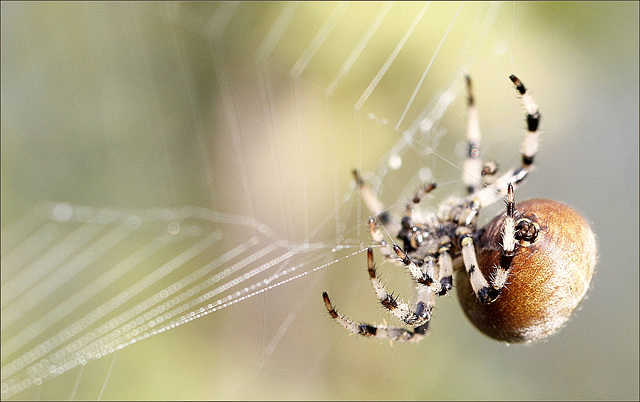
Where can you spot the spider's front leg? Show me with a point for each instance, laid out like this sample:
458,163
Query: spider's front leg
501,272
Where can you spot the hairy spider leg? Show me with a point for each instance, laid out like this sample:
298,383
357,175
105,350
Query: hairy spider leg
446,267
380,331
472,166
531,141
500,273
488,292
473,170
478,282
498,189
414,315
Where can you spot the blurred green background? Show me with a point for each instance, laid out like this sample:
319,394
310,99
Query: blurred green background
141,105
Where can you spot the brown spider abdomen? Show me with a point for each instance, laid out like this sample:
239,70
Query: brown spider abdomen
548,277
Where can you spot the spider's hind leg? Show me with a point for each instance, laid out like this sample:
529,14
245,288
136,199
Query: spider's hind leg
380,331
419,318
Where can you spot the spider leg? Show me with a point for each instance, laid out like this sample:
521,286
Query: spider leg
498,189
424,278
483,291
474,172
500,273
376,330
488,292
446,268
414,316
530,144
472,167
378,238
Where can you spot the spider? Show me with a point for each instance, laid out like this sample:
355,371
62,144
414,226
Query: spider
524,272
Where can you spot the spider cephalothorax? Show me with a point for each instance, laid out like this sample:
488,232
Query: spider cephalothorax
524,272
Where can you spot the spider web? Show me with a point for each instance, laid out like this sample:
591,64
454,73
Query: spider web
185,217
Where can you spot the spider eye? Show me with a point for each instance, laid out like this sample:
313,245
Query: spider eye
526,231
